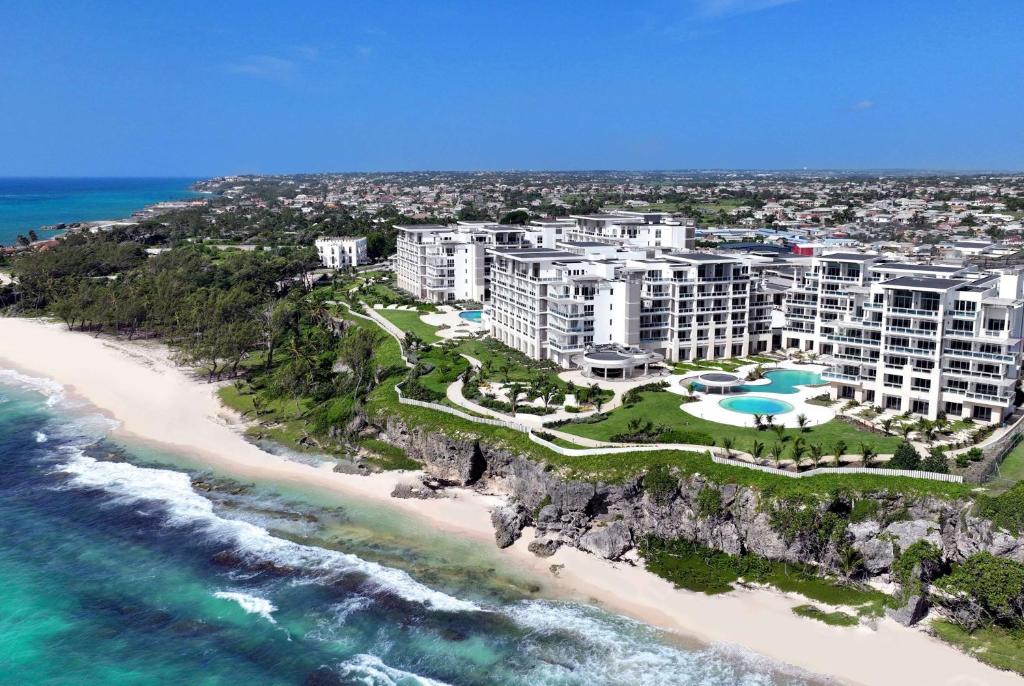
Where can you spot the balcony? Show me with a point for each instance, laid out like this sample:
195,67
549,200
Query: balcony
829,375
927,333
913,312
974,354
919,352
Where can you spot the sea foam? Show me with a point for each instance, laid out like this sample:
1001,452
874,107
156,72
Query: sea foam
607,648
252,604
53,391
183,507
371,670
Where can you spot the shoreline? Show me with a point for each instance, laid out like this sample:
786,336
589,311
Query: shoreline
155,401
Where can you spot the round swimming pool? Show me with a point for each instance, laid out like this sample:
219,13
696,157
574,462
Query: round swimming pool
472,315
752,404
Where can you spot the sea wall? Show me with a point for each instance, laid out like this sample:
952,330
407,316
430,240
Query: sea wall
611,519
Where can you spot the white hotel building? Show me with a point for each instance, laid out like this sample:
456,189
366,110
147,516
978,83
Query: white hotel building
339,253
557,287
912,337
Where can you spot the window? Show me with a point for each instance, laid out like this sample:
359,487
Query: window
919,406
930,302
964,325
903,300
982,413
986,389
893,380
965,306
954,408
892,402
956,384
996,324
923,365
918,384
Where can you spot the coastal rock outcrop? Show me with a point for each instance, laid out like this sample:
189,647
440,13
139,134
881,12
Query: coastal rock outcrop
508,522
611,519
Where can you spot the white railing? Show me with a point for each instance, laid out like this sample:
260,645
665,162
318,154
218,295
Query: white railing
459,413
913,474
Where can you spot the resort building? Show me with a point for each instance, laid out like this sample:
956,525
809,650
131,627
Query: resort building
912,337
447,263
450,263
556,304
339,253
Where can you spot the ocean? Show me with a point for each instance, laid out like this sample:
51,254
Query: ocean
127,564
30,203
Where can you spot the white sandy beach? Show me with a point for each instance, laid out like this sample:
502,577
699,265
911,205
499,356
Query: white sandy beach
153,400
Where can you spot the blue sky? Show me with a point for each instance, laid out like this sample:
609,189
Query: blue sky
202,88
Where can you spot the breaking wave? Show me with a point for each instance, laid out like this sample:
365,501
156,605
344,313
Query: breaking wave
252,604
183,507
371,670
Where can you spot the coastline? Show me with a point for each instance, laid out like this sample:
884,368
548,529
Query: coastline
139,386
46,206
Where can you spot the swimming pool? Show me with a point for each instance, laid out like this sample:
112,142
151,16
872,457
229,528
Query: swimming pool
752,404
472,315
784,381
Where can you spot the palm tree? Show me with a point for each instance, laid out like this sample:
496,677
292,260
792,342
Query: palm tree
801,421
756,450
887,425
769,420
850,561
866,452
906,428
776,454
727,443
817,453
513,390
780,431
797,452
757,421
839,450
547,394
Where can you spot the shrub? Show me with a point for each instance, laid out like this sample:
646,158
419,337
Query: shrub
905,457
921,561
1006,510
709,502
995,585
935,461
660,483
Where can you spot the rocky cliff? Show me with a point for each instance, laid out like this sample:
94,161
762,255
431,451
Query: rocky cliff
610,519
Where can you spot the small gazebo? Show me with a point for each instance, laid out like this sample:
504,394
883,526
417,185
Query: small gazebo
721,382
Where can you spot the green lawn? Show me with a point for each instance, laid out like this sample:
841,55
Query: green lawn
1010,471
407,320
662,408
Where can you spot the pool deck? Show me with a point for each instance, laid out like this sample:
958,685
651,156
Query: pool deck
708,408
452,325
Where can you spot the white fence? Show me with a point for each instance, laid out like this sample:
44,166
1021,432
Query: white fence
584,452
459,413
951,478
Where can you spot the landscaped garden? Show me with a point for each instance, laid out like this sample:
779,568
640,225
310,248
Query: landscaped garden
661,409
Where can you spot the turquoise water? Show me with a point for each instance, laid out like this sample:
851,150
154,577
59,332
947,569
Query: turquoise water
749,404
474,316
29,203
122,564
784,381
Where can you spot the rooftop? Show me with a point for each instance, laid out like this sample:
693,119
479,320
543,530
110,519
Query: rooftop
923,282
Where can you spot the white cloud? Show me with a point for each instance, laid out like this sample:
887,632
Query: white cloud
862,105
714,9
263,67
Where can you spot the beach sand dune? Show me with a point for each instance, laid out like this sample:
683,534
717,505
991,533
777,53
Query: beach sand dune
152,399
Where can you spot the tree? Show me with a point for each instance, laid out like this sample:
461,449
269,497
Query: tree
905,457
801,421
727,443
756,450
817,453
797,451
776,454
839,450
757,421
769,420
514,390
935,461
519,217
887,425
